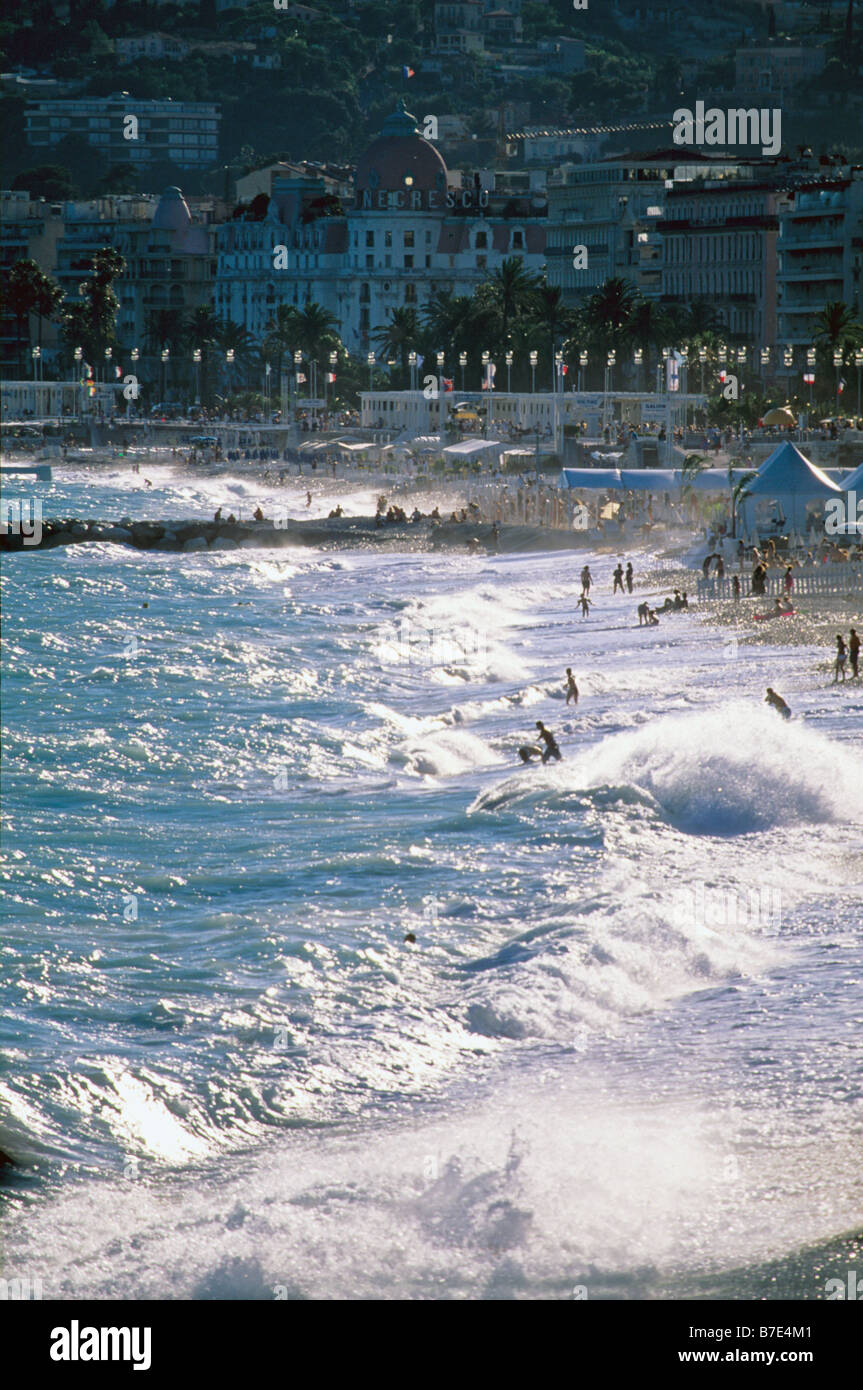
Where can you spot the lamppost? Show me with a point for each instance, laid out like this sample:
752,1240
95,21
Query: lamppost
610,360
440,359
582,370
134,356
298,362
508,360
78,355
702,359
196,358
462,361
334,357
166,353
229,362
637,360
37,360
109,353
370,360
534,357
788,363
765,363
858,363
412,363
662,369
811,359
837,363
267,370
558,371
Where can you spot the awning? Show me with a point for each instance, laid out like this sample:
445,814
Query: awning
470,447
788,473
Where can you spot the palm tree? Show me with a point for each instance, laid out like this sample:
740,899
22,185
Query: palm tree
165,329
282,334
511,291
202,333
549,320
836,329
450,321
399,336
609,314
316,330
92,322
28,290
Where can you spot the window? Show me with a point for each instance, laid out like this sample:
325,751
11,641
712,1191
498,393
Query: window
370,238
409,262
364,293
409,238
518,241
388,238
481,262
370,262
428,262
482,239
410,294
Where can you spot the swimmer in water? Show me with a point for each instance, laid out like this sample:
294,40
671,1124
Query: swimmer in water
571,687
771,698
528,752
548,738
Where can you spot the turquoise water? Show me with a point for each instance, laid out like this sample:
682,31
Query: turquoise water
624,1049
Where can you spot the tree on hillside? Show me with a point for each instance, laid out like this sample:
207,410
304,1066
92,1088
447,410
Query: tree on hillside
52,182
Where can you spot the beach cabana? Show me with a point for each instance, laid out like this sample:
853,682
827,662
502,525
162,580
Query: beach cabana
854,481
789,479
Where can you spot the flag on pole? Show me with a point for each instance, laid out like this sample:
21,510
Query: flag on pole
488,377
331,376
118,372
407,72
448,383
301,376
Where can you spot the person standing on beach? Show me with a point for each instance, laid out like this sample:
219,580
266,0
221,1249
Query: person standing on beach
586,580
854,653
735,588
571,687
841,655
618,578
629,575
585,605
788,581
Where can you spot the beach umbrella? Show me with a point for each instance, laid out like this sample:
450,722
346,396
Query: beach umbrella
780,415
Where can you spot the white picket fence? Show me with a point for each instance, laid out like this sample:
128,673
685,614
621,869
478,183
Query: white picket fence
826,579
